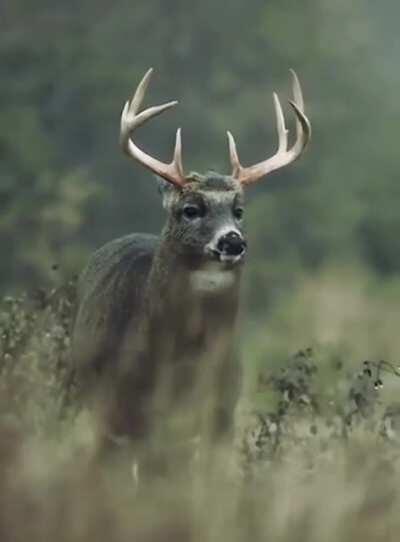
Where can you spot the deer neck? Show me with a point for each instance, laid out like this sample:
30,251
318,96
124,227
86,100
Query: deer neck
189,298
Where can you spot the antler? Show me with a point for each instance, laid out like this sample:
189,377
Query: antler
283,156
131,119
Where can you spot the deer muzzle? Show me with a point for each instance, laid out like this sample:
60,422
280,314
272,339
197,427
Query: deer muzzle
230,247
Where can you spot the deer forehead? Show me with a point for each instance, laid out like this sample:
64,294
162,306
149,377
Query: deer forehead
214,199
215,191
217,199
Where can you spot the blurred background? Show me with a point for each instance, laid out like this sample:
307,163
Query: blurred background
324,262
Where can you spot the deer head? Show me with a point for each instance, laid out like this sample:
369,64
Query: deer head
205,212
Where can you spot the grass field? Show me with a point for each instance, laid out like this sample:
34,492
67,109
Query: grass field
315,455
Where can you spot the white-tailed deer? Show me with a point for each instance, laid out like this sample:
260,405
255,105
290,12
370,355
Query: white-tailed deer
153,308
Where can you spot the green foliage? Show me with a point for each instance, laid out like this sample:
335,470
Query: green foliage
64,80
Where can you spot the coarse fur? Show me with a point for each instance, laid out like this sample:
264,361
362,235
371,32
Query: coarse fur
164,309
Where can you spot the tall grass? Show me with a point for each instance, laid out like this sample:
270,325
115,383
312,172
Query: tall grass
315,455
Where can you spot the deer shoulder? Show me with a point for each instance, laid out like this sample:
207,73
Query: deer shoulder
110,295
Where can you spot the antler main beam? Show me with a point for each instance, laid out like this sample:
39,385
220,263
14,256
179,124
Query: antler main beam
283,156
131,119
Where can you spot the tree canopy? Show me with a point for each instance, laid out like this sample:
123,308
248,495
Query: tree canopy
66,69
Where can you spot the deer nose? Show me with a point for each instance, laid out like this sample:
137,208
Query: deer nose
231,244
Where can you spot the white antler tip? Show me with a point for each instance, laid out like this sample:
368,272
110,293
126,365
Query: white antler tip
231,142
235,162
125,109
177,160
295,77
297,92
178,137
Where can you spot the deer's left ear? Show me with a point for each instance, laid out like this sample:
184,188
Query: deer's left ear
168,191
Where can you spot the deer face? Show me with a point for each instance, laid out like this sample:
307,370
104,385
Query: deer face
205,212
205,219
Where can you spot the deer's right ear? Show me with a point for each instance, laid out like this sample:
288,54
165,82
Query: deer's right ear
168,192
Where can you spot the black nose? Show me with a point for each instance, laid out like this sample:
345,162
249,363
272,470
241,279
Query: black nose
231,244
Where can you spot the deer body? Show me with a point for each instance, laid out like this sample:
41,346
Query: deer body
164,310
145,300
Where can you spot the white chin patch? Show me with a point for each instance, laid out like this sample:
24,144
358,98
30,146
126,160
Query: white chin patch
211,279
231,259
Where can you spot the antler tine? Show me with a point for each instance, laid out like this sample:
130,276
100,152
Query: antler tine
137,99
283,156
303,126
303,131
130,120
236,166
178,153
297,92
280,124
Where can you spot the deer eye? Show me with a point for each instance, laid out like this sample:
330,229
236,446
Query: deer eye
238,213
192,211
